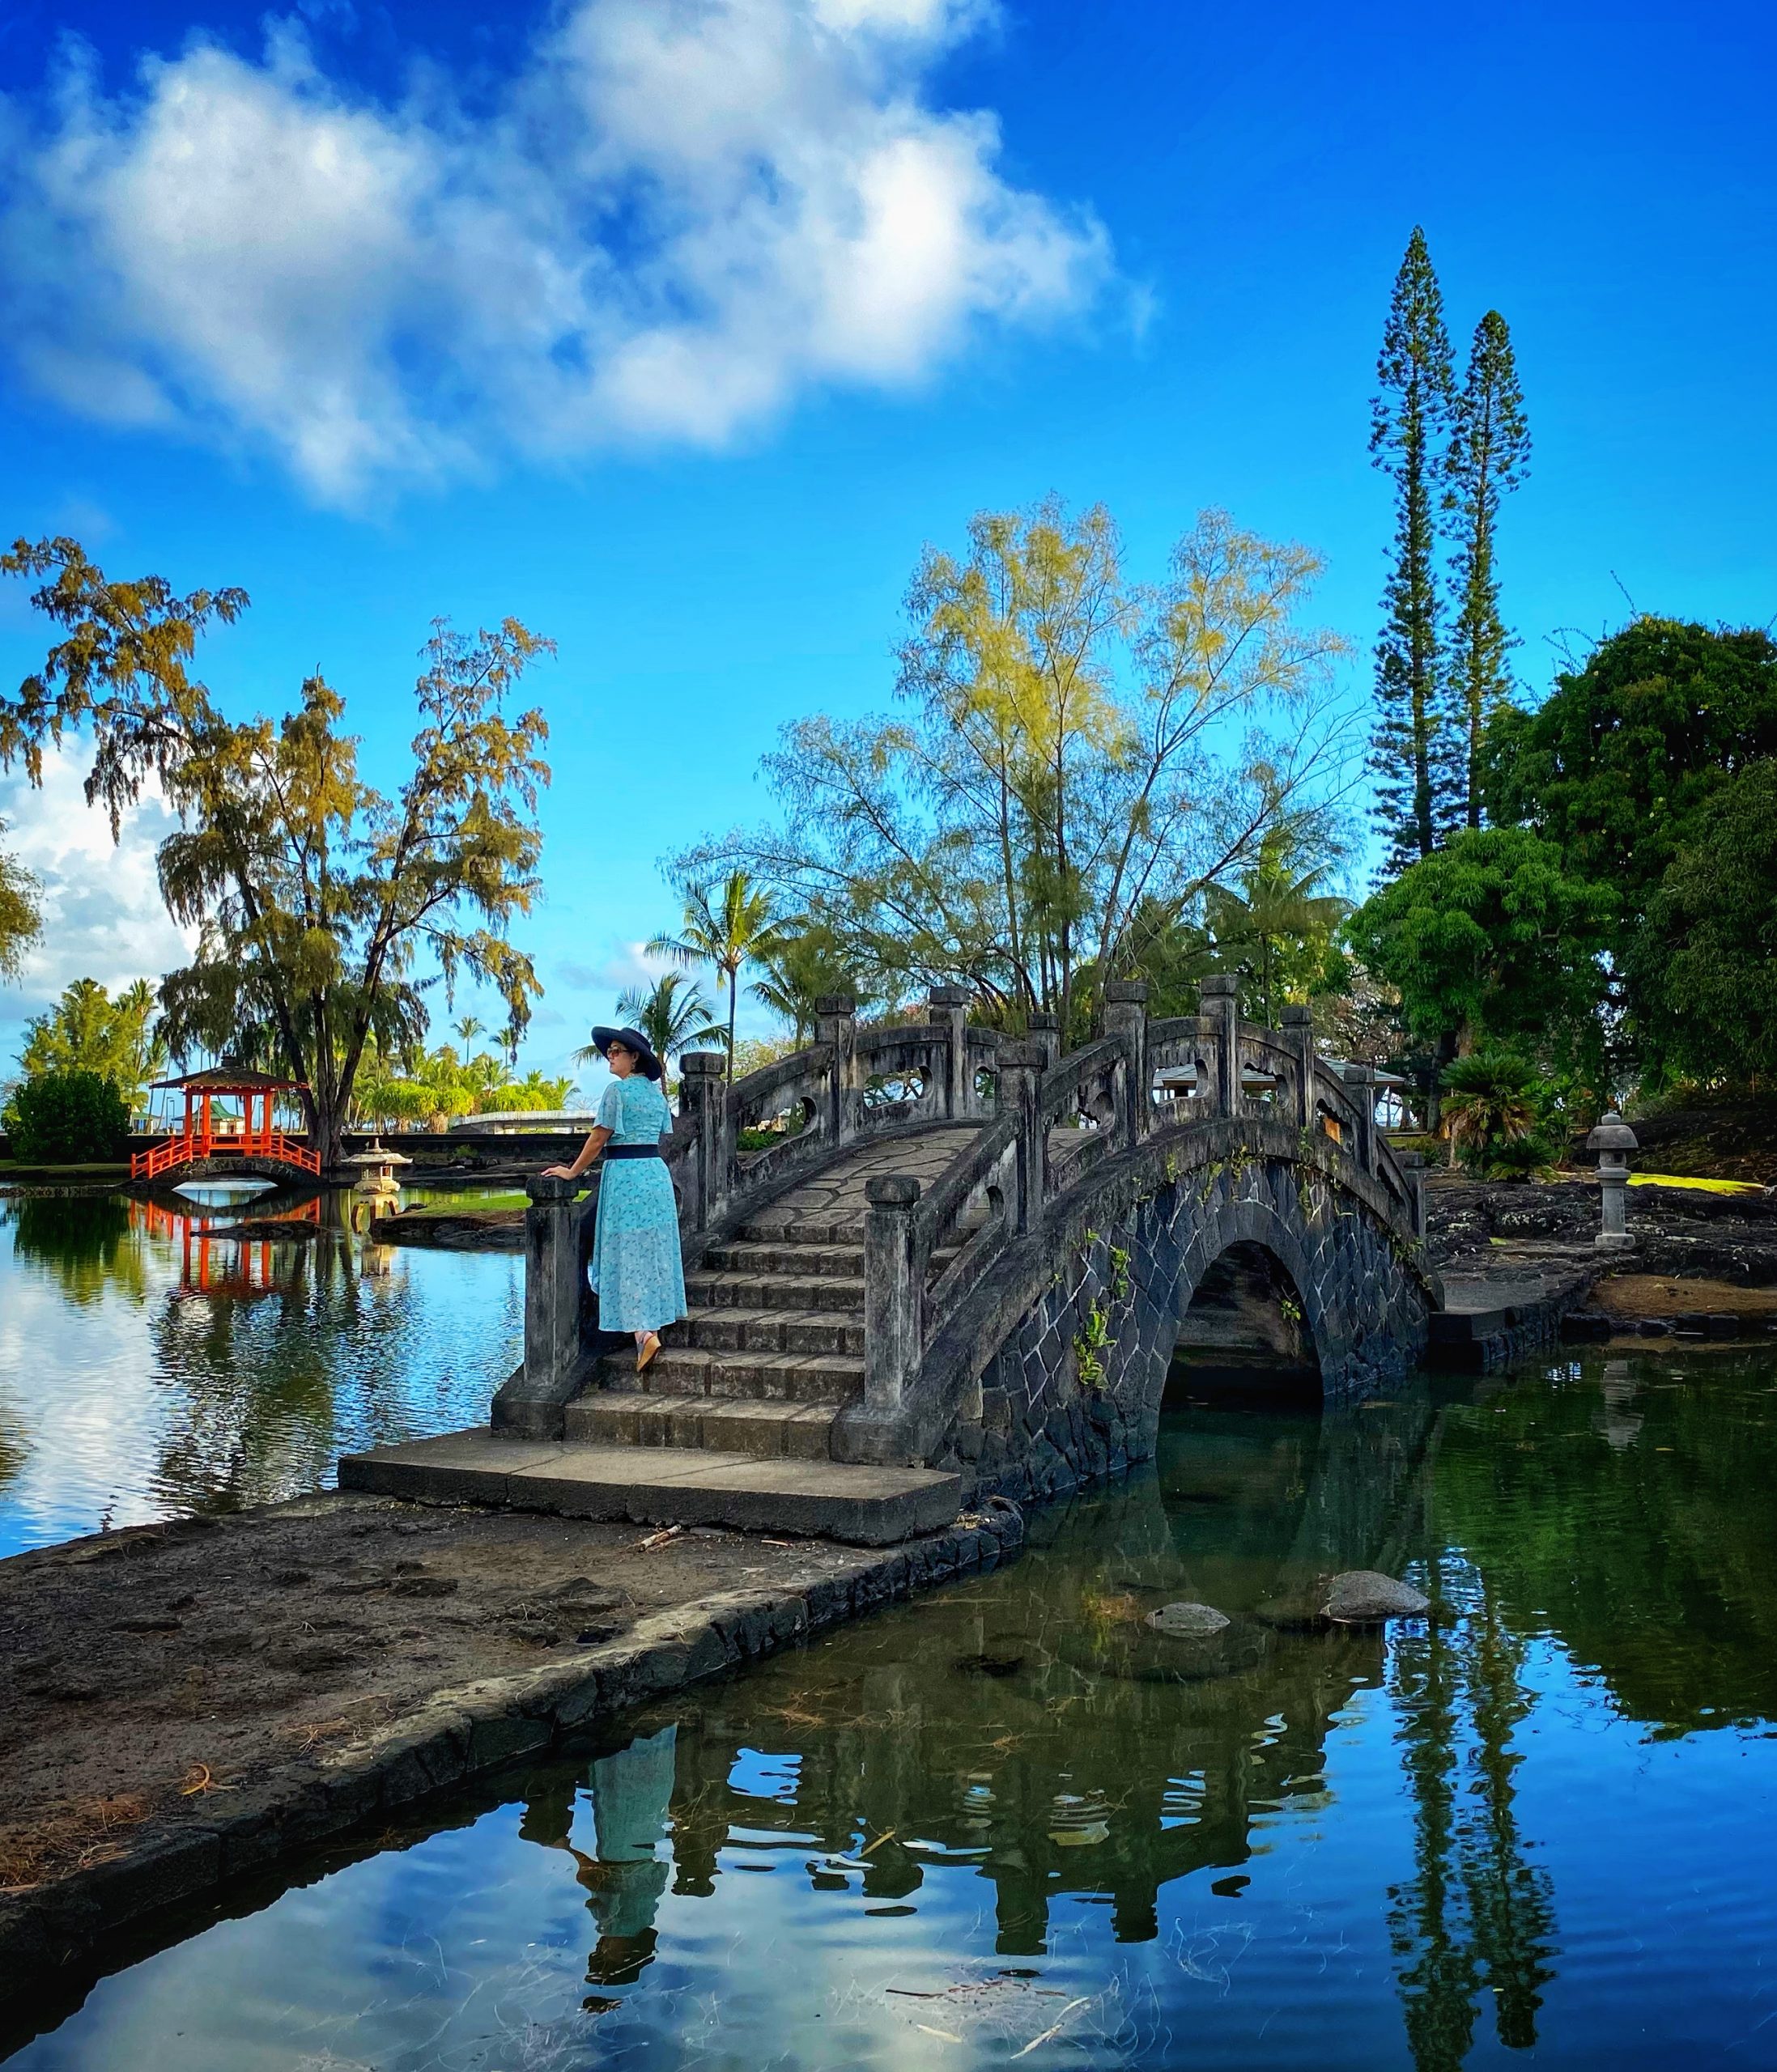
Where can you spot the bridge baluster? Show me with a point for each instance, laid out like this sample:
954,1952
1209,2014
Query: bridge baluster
1218,1003
703,1100
894,1292
1126,1018
949,1008
1020,1069
835,1024
1298,1036
530,1402
1361,1083
1046,1032
1413,1168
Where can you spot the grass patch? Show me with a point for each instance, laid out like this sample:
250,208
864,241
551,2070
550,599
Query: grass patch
481,1206
1706,1186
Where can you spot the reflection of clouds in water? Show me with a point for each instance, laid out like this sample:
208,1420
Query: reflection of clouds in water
137,1394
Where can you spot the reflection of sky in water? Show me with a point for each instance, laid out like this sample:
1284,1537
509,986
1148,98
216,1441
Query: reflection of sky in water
147,1368
1545,1822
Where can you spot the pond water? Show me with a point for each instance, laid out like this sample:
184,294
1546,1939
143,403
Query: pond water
151,1364
1007,1825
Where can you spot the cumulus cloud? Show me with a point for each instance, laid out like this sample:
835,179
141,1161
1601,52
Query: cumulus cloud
102,913
681,214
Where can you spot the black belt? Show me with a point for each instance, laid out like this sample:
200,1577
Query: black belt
631,1150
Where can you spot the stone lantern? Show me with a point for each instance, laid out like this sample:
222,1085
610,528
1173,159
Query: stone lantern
1614,1140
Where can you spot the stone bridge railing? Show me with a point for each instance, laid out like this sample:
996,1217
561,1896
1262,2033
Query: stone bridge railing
850,1085
1057,1117
1046,1121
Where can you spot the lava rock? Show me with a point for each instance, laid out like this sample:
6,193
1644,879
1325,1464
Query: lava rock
1363,1597
1189,1622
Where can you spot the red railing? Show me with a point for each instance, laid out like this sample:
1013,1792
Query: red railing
187,1148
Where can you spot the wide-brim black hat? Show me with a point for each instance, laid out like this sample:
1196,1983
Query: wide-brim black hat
631,1039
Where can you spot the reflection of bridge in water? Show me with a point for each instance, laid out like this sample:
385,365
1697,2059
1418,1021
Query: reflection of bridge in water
1025,1728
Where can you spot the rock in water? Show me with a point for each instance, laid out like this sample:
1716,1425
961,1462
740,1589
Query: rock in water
1361,1597
1187,1622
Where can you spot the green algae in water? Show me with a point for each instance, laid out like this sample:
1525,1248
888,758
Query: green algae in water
1540,1821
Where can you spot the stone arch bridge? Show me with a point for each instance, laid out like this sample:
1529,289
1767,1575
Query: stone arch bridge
963,1264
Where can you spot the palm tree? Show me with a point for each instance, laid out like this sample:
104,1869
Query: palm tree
671,1020
732,928
468,1028
1277,919
1489,1100
798,969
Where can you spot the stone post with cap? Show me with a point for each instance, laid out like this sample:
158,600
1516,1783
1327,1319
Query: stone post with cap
1614,1140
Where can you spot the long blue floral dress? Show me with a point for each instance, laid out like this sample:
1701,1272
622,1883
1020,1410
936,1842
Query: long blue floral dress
636,1267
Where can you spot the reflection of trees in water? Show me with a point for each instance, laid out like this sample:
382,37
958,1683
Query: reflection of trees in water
87,1243
1025,1727
1475,1917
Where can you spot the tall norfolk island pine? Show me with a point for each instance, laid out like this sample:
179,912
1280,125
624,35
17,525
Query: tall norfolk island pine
1409,434
1490,450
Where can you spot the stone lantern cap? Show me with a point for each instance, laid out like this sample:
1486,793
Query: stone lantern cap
1611,1134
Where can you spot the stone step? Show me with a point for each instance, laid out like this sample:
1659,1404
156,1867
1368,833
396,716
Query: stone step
661,1485
805,1261
705,1290
780,1378
632,1417
770,1331
848,1231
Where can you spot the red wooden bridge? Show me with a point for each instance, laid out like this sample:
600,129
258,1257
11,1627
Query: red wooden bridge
217,1140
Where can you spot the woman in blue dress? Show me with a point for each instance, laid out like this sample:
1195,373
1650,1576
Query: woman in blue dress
637,1269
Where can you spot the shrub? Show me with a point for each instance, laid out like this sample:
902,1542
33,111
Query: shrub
1491,1100
68,1118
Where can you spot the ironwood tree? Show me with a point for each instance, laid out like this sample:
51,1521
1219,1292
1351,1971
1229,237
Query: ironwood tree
325,909
1078,756
1412,749
21,913
1489,454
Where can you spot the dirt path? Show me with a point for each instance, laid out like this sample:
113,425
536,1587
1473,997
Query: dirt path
189,1701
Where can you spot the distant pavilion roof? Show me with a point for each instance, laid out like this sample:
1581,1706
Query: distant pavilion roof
231,1079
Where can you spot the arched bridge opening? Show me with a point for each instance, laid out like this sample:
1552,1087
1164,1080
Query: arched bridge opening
1243,1329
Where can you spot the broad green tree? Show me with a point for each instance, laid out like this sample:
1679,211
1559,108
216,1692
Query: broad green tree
323,905
729,925
1705,960
1411,749
86,1030
1619,768
1073,748
1489,938
21,914
1489,456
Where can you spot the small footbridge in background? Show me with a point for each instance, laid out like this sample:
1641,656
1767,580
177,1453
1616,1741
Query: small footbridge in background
964,1266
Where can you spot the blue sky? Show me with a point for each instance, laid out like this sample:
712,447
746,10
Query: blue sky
363,308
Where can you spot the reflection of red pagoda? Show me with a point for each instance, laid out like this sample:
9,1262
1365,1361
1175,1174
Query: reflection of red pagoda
213,1260
214,1137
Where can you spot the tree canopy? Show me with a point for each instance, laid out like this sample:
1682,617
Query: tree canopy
1487,937
119,1040
1705,962
1073,749
324,907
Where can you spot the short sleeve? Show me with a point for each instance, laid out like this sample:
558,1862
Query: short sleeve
610,1108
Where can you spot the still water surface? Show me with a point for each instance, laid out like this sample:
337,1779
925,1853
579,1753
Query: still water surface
150,1364
994,1827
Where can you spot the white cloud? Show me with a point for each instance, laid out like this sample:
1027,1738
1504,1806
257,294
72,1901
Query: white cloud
102,913
684,214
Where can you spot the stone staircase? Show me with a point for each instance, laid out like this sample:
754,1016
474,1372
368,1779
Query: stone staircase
732,1422
772,1351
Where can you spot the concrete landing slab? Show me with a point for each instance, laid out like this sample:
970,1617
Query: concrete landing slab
658,1485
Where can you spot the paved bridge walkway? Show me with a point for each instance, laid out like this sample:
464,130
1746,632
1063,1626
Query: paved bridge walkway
965,1266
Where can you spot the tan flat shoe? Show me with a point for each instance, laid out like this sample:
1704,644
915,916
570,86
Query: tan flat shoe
648,1351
